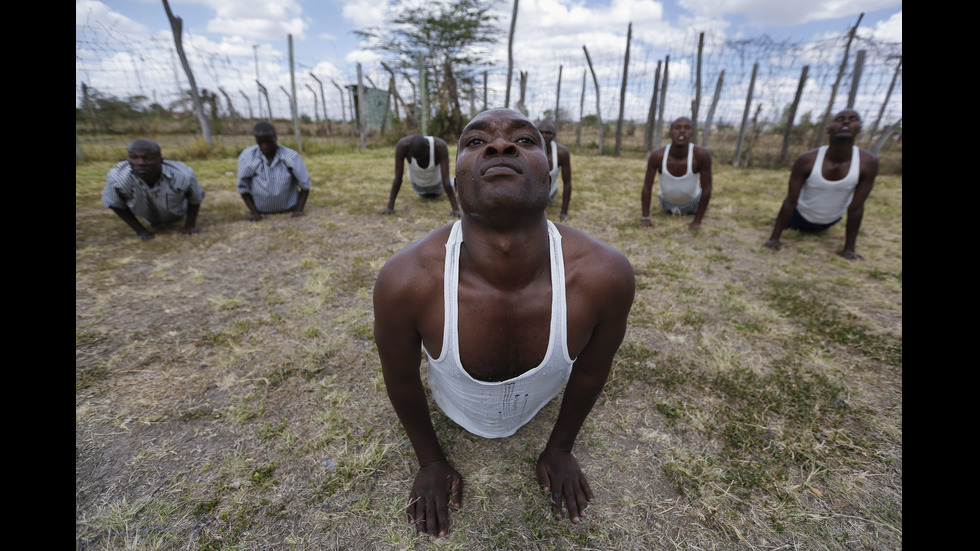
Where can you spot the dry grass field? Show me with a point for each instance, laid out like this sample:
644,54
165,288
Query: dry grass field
228,392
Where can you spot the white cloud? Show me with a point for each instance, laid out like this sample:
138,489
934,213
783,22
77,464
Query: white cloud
889,30
364,13
257,19
783,13
96,15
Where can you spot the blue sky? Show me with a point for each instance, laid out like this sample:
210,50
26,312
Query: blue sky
324,43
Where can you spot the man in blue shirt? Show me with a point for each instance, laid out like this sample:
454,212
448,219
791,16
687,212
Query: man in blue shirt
272,178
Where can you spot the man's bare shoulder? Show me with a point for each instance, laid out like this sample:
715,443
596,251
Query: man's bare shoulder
442,150
655,157
867,156
804,163
702,152
415,270
592,259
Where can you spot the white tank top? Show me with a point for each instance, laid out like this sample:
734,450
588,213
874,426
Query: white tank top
555,169
822,201
498,409
425,179
680,190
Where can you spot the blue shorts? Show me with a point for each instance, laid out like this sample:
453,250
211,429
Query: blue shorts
797,222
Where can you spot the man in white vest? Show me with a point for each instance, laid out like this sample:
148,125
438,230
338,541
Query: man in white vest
428,169
685,176
509,308
827,182
559,162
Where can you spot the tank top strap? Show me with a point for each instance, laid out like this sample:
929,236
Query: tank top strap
559,325
450,292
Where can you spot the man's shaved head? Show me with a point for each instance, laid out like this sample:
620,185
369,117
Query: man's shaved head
263,129
143,145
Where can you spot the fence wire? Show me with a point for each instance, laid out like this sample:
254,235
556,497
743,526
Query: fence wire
115,63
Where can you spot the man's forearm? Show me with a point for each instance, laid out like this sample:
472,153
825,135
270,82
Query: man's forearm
408,400
785,212
645,202
250,203
395,186
702,206
852,228
192,210
301,201
130,219
581,394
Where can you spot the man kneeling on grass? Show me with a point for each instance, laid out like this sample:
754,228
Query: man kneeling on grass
510,308
156,190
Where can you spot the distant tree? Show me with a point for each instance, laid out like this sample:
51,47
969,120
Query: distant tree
451,37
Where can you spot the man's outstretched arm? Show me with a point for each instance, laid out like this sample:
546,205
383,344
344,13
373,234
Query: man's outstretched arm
130,219
437,483
565,160
558,471
190,222
801,171
855,211
396,184
442,158
704,160
652,163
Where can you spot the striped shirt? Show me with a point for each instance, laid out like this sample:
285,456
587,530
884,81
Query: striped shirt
274,186
165,202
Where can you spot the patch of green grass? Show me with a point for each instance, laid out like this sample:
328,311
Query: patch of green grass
268,431
198,413
205,507
262,475
243,411
87,377
798,300
629,365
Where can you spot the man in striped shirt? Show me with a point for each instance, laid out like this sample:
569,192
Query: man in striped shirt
158,191
271,177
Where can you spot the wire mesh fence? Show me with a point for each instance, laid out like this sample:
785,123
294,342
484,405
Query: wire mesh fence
114,67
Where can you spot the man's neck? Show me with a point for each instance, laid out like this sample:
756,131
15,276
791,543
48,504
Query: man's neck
508,256
679,150
840,150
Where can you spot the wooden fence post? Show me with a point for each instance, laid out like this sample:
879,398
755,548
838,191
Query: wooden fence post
361,119
558,98
818,138
598,109
652,113
581,112
711,111
659,127
791,116
622,91
745,117
696,106
510,55
856,79
881,112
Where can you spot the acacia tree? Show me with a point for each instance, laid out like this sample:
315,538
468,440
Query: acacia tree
451,37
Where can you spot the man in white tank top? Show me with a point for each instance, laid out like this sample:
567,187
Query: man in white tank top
827,182
428,169
508,307
685,176
559,162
